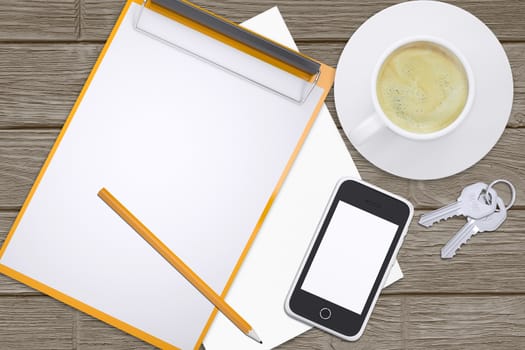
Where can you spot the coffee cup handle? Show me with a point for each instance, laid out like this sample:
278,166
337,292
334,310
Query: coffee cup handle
367,128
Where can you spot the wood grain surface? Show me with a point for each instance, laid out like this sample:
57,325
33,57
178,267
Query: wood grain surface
35,322
315,20
463,322
474,301
39,20
42,81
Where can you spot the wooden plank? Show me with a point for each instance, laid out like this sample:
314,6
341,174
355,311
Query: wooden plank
9,286
39,20
473,322
516,54
22,153
44,80
482,266
93,334
489,263
504,161
315,19
6,220
35,323
383,331
41,82
97,18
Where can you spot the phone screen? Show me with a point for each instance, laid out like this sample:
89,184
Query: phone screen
349,257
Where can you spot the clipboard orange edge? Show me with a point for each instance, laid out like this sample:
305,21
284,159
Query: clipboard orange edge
325,81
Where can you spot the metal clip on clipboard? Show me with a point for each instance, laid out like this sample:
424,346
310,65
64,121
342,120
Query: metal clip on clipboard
287,57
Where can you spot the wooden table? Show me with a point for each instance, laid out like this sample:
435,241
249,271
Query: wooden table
475,301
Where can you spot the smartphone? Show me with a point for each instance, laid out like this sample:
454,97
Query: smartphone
349,259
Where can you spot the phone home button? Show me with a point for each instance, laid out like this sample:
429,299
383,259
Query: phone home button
325,313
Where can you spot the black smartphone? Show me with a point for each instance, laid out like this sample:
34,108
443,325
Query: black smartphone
348,261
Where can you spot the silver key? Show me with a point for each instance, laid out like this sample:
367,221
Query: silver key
470,203
473,226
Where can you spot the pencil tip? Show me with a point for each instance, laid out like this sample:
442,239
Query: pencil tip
254,336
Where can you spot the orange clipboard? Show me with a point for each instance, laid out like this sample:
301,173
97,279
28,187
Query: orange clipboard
313,73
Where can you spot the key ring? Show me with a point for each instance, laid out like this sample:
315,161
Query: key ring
512,192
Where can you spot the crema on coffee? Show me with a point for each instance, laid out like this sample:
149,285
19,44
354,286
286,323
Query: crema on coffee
422,87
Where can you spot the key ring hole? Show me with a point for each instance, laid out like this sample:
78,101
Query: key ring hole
487,196
512,192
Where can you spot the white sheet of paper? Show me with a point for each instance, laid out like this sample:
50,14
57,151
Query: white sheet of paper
260,288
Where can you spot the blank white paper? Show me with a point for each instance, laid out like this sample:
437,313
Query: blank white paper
260,288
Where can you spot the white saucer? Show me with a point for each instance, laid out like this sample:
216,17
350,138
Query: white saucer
480,130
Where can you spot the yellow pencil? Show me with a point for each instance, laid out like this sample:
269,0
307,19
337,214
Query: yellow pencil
178,264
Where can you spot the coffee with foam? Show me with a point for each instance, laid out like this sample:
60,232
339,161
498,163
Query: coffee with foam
422,87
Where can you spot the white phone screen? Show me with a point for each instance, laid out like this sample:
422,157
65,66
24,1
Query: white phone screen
349,257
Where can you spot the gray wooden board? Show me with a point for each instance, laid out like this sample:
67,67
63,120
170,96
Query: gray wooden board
317,20
475,301
22,153
458,322
39,20
40,82
36,322
489,263
382,333
399,322
9,286
95,335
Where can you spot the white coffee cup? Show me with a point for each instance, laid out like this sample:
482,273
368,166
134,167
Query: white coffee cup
378,120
